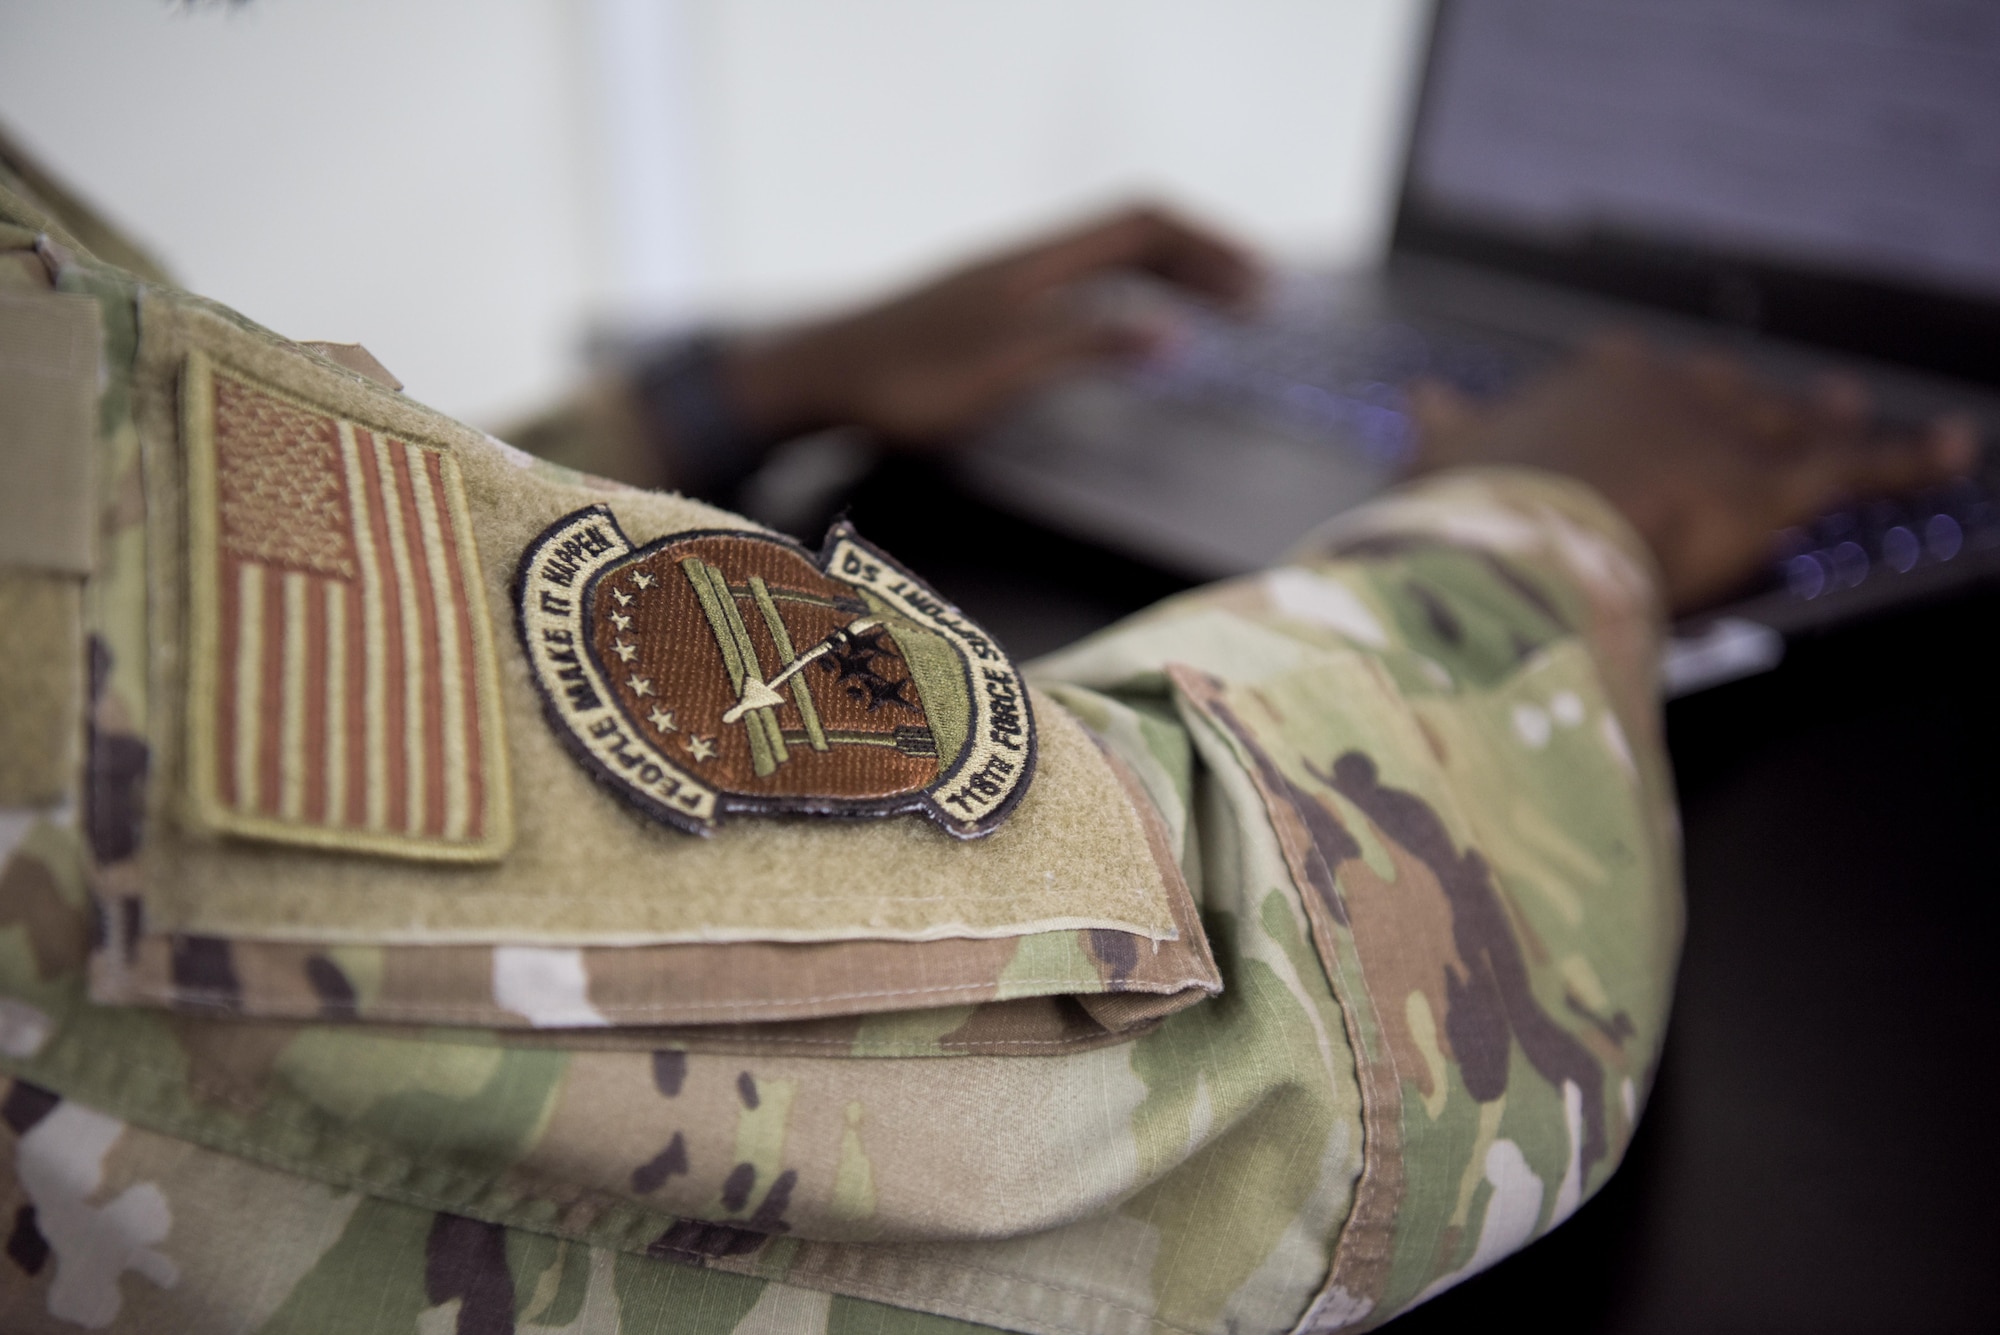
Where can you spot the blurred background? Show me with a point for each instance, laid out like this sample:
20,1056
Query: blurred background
362,170
474,189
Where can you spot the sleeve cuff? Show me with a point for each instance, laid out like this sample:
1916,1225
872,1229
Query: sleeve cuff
1511,511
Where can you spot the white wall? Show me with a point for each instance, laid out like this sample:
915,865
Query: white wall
393,173
851,140
464,185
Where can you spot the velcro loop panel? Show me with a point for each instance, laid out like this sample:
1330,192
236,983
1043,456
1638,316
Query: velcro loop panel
49,349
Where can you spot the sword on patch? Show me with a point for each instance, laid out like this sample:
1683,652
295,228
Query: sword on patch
764,694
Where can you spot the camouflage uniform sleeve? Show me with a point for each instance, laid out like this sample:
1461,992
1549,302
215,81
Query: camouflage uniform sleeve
1412,782
1446,710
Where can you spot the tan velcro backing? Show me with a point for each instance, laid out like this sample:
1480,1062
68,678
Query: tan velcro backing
585,869
49,345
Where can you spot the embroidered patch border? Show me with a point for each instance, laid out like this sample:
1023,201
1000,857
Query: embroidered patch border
343,690
563,576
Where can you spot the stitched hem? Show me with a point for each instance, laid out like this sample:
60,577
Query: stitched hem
1070,986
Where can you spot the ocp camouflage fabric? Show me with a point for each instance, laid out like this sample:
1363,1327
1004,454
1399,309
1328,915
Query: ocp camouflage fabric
1412,785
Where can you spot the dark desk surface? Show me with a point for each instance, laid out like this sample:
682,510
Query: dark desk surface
1820,1152
1822,1149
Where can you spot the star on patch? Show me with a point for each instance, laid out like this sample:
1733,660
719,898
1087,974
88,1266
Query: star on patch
640,685
662,719
620,620
641,580
701,748
883,692
624,599
852,655
624,650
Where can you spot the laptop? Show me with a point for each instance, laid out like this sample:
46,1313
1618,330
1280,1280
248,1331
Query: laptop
1814,187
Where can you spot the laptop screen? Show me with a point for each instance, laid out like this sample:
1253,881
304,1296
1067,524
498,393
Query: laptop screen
1829,171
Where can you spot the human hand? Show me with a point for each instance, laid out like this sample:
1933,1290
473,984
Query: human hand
937,361
1706,462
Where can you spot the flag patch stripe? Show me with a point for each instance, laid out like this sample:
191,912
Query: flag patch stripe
351,697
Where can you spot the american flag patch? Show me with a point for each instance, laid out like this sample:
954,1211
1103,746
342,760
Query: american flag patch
342,684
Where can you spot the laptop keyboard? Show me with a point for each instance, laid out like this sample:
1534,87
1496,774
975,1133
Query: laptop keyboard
1886,542
1336,376
1328,376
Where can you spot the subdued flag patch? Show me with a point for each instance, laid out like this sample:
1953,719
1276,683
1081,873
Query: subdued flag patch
342,683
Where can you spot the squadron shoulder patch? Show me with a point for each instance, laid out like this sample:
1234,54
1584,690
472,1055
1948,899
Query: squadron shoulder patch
343,687
718,672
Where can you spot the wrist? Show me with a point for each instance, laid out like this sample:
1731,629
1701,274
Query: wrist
711,435
789,382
